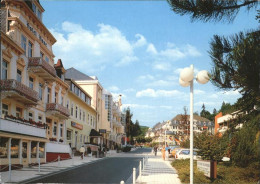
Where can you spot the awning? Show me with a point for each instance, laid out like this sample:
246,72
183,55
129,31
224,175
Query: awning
94,133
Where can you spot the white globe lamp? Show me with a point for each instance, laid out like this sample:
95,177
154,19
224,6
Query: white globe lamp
187,74
202,77
183,84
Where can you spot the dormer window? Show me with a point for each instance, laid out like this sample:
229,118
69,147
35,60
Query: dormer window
39,14
34,8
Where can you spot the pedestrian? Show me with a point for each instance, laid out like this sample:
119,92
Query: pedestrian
82,151
155,150
163,152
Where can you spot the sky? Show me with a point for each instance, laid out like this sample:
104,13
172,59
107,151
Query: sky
137,49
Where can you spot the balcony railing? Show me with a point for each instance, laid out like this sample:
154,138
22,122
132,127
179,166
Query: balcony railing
57,109
13,88
41,67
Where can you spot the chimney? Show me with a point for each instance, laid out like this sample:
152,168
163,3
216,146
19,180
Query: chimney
119,101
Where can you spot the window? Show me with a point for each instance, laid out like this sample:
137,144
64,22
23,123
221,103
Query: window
71,112
31,82
4,109
68,104
62,99
40,90
91,121
88,119
80,114
23,42
33,149
3,147
14,148
80,137
19,75
41,149
39,14
61,130
4,69
49,95
56,97
76,113
18,112
33,8
41,55
69,134
46,59
30,116
55,129
84,115
24,150
40,119
30,49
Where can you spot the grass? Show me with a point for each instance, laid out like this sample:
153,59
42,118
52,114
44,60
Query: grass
226,173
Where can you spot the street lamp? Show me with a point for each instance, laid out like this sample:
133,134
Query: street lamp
185,80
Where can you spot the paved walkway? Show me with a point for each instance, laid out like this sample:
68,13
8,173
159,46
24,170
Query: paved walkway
158,171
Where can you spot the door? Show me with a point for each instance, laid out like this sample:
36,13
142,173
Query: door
25,154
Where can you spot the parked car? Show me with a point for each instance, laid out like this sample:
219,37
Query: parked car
185,154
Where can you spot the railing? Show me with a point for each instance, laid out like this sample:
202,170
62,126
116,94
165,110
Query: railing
57,107
14,85
38,61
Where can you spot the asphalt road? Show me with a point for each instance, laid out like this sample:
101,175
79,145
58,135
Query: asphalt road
108,170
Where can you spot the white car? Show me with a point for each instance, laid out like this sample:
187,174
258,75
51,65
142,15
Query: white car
185,154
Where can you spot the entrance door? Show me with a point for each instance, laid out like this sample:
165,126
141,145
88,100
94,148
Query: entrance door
25,154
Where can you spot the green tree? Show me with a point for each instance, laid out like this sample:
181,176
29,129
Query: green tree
129,123
206,114
217,10
136,129
237,67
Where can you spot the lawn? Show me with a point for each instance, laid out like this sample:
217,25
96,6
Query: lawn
226,173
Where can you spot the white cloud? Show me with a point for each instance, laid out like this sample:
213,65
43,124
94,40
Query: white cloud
129,90
199,92
145,77
151,49
141,41
81,48
113,88
163,66
141,106
157,93
160,83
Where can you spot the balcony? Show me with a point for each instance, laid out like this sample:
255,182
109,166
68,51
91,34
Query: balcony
22,127
41,68
15,90
57,110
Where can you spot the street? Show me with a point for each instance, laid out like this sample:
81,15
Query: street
108,170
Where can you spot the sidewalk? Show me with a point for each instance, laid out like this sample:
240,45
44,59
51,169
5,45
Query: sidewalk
27,173
158,171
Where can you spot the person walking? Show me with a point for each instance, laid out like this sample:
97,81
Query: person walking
155,150
163,152
82,151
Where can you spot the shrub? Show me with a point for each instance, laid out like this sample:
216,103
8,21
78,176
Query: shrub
126,149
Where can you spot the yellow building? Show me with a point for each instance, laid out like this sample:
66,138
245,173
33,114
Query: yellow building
33,115
82,116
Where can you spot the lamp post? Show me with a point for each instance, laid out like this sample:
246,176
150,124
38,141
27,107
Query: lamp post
185,80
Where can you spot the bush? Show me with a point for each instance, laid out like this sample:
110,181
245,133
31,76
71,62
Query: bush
126,149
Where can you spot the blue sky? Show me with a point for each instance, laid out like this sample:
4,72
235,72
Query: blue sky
137,49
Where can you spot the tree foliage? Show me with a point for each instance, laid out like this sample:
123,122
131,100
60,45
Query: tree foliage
237,67
217,10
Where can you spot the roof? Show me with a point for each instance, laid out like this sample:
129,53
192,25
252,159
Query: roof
94,133
195,117
74,74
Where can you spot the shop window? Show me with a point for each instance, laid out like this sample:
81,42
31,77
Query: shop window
19,75
40,119
31,82
69,133
41,149
18,112
3,147
4,69
24,150
14,148
4,109
33,149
